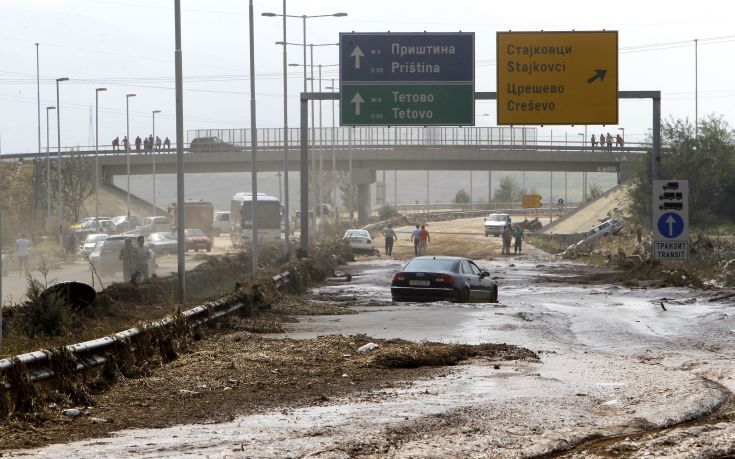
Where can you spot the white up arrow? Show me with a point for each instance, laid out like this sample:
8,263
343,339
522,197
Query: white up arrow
357,54
357,100
670,221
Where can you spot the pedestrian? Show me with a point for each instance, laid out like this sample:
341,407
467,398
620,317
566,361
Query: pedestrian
158,143
150,142
518,238
22,246
390,236
424,239
71,246
593,141
167,143
609,142
127,255
116,144
506,240
126,143
146,145
415,239
619,141
142,256
138,142
602,142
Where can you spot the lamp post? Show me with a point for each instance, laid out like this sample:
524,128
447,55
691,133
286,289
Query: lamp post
584,174
59,213
153,156
96,153
127,147
48,169
696,87
303,18
334,159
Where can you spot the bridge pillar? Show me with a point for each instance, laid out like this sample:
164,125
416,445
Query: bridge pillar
363,178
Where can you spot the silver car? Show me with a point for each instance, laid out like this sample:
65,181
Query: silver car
359,240
91,242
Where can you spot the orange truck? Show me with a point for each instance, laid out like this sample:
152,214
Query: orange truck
197,214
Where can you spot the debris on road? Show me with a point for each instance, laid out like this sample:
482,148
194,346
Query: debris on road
368,347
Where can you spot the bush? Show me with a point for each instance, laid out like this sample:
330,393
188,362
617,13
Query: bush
43,314
387,212
462,197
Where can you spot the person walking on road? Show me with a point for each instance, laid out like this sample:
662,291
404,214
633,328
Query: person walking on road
424,239
415,240
506,240
142,255
127,255
22,246
390,236
518,238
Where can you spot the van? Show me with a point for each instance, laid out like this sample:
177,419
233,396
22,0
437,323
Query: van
221,223
495,224
157,224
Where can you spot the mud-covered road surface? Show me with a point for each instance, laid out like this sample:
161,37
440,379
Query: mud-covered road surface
619,375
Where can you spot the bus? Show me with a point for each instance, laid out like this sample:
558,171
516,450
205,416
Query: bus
268,219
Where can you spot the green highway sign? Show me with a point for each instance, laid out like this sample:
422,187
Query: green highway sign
415,79
394,105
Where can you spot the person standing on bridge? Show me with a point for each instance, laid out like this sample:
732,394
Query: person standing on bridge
126,143
167,144
158,143
593,141
390,235
609,142
138,141
602,142
150,143
116,144
415,239
146,145
619,141
424,239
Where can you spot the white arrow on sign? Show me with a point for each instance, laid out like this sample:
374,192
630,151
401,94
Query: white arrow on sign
357,54
670,221
357,100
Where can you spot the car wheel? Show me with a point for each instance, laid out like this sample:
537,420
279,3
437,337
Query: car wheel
463,295
494,295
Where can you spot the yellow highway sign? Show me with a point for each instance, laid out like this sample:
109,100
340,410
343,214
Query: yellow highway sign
531,201
557,77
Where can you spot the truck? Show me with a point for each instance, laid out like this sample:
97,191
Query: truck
197,215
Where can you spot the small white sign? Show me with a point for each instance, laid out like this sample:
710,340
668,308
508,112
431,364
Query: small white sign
670,219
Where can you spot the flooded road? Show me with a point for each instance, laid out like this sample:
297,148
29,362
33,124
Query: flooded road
614,363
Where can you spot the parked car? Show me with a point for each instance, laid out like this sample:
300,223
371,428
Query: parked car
221,223
91,241
211,145
107,260
163,243
157,223
495,223
359,240
125,223
103,225
197,240
443,278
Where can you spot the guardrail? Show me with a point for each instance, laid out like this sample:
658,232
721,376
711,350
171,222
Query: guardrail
89,354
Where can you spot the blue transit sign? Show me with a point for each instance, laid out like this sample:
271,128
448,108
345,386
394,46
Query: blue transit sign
670,225
417,79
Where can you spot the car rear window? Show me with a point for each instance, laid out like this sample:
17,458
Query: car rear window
498,217
431,265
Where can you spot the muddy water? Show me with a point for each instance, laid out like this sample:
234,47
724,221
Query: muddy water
613,362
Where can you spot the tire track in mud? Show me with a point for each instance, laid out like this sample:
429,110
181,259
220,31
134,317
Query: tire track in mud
621,445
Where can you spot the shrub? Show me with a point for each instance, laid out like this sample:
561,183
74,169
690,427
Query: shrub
43,314
387,212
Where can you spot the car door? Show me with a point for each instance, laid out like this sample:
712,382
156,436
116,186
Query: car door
472,280
486,284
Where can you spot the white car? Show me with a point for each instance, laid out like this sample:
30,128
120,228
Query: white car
359,240
221,223
495,223
91,241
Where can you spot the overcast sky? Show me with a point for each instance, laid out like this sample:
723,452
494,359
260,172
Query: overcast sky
128,47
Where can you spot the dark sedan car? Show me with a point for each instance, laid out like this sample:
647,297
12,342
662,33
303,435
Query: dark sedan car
211,145
163,243
443,278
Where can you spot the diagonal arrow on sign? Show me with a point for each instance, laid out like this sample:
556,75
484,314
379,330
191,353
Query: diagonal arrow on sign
357,100
357,54
599,73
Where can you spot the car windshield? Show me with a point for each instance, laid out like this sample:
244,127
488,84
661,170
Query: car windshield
360,233
498,217
93,238
118,220
194,233
432,265
161,237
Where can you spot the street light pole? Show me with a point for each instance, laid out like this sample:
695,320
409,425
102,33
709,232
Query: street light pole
696,88
38,99
153,157
178,65
48,169
287,222
59,211
96,153
127,147
254,143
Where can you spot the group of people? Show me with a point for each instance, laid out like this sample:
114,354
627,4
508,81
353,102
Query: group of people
419,236
135,260
149,144
509,235
607,140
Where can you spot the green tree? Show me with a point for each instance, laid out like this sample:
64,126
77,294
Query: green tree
508,191
345,190
462,197
707,162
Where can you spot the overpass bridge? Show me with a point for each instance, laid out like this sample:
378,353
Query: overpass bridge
363,151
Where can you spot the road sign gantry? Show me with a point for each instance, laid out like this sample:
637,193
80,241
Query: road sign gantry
417,79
